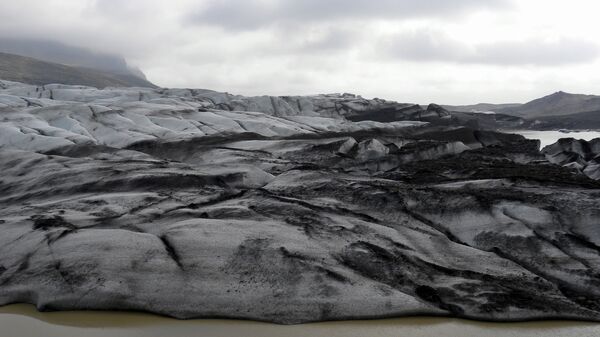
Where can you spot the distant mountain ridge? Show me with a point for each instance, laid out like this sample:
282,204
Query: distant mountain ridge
557,104
33,71
57,52
589,120
481,107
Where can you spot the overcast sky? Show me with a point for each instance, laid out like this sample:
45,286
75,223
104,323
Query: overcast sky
451,52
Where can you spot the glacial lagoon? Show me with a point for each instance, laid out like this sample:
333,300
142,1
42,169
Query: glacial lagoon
551,137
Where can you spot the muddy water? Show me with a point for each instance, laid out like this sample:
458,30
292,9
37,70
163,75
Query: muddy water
25,321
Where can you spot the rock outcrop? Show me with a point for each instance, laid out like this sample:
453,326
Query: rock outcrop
164,201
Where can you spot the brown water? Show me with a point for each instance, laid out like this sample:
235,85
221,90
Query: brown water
25,321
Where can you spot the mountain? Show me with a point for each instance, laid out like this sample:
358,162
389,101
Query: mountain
480,107
589,120
29,70
199,204
556,104
57,52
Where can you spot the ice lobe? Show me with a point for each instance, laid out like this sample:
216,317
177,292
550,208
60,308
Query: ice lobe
191,203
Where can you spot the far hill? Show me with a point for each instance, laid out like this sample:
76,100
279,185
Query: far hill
481,107
578,121
557,104
33,71
57,52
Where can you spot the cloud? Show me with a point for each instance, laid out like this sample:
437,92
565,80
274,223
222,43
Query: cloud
441,50
553,52
432,46
255,14
330,40
316,41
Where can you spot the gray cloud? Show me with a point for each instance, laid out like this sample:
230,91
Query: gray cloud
54,51
254,14
331,40
429,46
125,10
562,51
259,47
315,41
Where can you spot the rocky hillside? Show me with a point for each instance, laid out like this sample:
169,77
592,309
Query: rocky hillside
194,203
29,70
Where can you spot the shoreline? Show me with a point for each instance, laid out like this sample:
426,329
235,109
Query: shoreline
24,320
